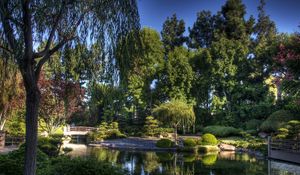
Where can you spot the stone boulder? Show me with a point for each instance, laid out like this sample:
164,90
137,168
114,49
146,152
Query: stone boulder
226,147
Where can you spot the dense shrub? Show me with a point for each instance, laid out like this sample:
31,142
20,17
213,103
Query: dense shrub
151,125
50,145
79,166
13,163
252,124
276,120
165,143
221,131
106,131
209,139
290,131
189,142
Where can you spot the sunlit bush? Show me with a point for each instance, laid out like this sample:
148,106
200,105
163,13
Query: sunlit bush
209,139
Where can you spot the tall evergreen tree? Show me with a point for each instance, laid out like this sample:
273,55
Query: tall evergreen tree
201,34
233,12
173,33
175,80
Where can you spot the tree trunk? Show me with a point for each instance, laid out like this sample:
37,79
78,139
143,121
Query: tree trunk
32,106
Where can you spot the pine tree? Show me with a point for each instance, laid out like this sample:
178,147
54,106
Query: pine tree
173,33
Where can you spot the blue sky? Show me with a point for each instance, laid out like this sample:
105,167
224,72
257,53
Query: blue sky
285,13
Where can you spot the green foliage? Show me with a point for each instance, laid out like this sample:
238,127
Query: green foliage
164,131
276,120
175,113
173,32
151,126
105,131
209,139
13,163
16,125
140,58
252,124
50,145
290,131
176,77
294,129
201,34
190,142
165,143
77,166
221,131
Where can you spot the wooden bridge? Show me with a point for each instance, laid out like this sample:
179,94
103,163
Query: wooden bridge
77,130
286,150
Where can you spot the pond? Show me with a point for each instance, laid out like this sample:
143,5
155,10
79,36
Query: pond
166,163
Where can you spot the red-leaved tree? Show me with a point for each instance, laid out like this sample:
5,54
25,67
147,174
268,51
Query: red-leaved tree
59,100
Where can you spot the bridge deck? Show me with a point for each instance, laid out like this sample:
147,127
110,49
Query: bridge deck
77,130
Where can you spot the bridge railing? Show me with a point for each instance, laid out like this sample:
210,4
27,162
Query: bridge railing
82,128
283,149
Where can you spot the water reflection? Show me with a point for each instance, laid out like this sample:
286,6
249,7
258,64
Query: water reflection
164,163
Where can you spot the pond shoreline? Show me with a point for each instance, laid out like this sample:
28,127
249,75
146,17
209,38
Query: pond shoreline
149,144
132,143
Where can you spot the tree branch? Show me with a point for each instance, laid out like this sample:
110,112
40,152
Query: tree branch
47,56
6,49
27,29
48,52
51,35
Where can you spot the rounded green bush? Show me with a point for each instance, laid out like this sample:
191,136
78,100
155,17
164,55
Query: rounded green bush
221,131
209,139
164,143
276,120
189,142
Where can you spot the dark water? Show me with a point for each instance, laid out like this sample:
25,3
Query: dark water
162,163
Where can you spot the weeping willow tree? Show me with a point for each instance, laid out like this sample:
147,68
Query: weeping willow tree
175,113
26,24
